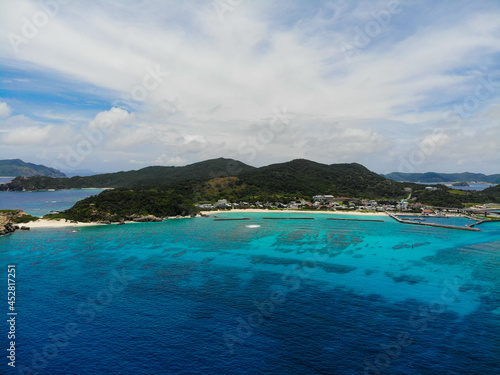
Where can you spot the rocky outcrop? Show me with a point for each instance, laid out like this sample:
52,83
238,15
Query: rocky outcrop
145,219
7,228
7,221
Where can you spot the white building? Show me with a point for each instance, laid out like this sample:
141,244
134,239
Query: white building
222,203
326,198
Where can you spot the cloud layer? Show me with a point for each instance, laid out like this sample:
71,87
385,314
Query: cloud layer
364,81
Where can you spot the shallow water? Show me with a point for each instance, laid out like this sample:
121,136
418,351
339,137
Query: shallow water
201,296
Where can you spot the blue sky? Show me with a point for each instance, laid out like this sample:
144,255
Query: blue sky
410,86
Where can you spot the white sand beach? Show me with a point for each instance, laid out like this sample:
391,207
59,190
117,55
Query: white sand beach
298,212
44,223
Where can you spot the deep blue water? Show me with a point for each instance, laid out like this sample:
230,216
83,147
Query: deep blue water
6,179
39,203
196,296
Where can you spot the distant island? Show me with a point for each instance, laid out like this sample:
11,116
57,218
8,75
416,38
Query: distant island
462,183
433,177
17,167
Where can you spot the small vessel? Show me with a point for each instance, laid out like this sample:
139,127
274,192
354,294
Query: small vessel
252,226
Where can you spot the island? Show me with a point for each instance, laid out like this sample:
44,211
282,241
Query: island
156,193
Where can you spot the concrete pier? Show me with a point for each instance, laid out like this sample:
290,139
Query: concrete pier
240,218
433,224
288,218
372,220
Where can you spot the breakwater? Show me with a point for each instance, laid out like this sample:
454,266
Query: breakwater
239,218
433,224
288,218
343,219
481,221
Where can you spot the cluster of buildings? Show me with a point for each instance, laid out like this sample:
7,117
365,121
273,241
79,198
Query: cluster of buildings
324,202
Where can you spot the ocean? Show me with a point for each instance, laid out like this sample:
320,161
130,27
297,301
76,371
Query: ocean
472,186
477,187
198,296
39,203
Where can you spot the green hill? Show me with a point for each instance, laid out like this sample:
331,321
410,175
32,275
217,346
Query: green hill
493,191
278,182
167,191
116,205
308,178
17,167
149,176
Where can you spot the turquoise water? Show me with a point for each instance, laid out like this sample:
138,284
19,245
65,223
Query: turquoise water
39,203
198,296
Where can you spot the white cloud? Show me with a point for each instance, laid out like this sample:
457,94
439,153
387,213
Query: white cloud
169,160
191,86
5,110
112,119
29,135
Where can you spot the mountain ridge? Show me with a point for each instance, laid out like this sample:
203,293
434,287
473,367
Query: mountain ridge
166,191
17,167
151,175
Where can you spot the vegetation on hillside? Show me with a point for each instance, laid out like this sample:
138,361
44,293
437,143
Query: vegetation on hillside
16,216
17,167
116,205
171,191
146,177
445,197
306,178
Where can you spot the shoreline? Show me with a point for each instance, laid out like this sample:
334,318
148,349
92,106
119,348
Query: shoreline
307,212
61,223
44,223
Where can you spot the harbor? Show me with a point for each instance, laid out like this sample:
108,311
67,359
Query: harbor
402,221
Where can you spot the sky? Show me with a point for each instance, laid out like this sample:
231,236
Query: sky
398,86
